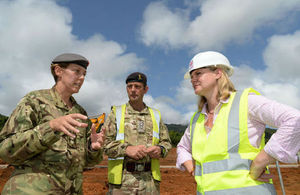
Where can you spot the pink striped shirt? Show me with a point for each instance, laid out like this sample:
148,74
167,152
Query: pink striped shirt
283,145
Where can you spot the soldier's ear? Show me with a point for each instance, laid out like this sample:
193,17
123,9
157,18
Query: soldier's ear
146,89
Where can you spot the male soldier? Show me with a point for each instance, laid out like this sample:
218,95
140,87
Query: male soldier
48,138
136,139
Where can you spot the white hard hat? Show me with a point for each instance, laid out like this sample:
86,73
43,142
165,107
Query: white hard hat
209,58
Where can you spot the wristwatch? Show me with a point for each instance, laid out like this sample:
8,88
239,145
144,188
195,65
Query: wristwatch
162,150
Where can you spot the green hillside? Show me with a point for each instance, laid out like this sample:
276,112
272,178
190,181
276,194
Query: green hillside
176,132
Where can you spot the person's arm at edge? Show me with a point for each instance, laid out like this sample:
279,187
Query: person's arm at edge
184,151
19,139
283,145
165,141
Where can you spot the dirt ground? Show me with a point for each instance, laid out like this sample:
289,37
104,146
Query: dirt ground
173,181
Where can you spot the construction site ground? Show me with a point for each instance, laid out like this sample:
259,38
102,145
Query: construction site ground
173,181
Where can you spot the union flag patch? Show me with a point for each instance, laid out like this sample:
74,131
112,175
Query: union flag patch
191,64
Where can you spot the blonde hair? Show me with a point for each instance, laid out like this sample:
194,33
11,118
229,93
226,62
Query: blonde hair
225,87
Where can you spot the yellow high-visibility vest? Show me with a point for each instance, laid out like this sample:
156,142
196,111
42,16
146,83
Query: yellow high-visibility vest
115,165
223,158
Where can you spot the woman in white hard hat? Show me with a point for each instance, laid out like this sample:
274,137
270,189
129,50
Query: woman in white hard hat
224,146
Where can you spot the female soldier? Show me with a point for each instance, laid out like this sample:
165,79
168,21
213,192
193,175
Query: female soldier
225,138
48,138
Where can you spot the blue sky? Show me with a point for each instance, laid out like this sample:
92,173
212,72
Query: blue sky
261,38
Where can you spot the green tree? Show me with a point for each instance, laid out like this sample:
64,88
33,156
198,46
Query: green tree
176,132
175,137
3,119
268,133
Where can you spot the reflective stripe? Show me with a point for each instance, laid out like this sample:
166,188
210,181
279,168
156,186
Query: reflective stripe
194,121
223,165
155,134
265,189
233,126
119,136
226,165
118,116
198,171
118,158
157,119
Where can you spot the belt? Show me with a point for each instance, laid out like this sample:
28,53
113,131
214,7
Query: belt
137,167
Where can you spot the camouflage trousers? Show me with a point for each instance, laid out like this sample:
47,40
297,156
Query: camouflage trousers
137,183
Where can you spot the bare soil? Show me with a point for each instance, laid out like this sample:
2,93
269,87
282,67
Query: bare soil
173,181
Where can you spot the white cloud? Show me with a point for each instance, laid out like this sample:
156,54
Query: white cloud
282,92
169,114
216,24
272,85
220,23
33,32
162,26
283,62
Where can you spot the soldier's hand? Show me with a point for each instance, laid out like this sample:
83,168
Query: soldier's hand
97,139
68,124
136,152
154,151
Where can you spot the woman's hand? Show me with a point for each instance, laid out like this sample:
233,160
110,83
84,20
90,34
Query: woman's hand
97,139
189,166
258,167
68,123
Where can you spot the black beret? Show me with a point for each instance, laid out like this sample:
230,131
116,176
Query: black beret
137,77
71,58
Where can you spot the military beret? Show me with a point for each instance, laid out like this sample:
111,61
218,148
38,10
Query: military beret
137,77
71,58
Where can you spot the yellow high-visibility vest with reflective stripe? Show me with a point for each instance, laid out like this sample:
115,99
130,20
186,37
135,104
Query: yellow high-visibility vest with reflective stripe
115,165
223,158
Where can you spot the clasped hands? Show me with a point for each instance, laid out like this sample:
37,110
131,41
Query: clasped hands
68,125
140,151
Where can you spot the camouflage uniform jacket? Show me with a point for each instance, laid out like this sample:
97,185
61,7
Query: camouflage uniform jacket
138,130
29,144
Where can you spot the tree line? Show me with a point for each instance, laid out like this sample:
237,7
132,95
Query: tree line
175,131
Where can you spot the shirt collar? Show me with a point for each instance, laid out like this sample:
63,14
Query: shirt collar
131,110
218,107
56,98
